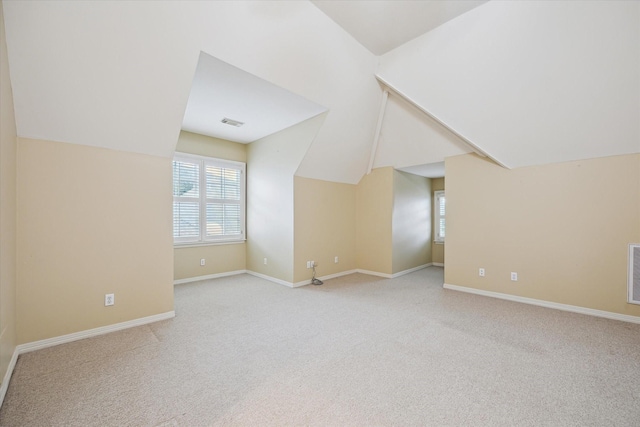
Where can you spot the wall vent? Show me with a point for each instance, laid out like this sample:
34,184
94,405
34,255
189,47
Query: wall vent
231,122
634,273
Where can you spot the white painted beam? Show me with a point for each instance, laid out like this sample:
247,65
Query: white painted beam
376,138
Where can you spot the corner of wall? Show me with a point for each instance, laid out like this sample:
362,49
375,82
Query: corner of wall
374,219
271,165
411,221
324,227
8,195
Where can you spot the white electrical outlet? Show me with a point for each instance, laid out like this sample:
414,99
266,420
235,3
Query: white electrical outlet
109,299
481,272
308,264
335,260
265,261
202,261
514,276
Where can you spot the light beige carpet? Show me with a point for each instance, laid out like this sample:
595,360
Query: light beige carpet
358,350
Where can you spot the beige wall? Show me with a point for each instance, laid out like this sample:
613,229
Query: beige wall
411,221
203,145
218,258
437,249
325,217
564,228
7,210
380,225
91,221
271,164
374,215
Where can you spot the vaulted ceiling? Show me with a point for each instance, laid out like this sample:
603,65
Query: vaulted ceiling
529,82
381,26
524,82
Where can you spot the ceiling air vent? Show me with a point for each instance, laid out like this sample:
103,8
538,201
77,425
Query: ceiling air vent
232,122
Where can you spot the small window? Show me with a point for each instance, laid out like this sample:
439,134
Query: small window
634,273
208,200
439,216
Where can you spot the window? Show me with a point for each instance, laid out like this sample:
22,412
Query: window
208,200
439,209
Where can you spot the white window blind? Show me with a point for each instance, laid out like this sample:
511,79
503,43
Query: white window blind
439,215
208,199
186,200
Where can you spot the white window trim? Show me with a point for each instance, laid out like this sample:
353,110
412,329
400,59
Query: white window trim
436,216
203,240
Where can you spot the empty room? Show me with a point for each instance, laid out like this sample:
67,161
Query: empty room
319,213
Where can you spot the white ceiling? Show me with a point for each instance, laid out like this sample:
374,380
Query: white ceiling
528,82
76,80
413,142
383,25
430,170
220,90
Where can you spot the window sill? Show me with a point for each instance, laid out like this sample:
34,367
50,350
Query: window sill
197,244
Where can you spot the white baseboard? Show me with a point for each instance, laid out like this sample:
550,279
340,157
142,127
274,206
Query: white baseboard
393,276
547,304
50,342
323,278
271,279
7,376
303,282
438,264
374,273
411,270
343,273
208,277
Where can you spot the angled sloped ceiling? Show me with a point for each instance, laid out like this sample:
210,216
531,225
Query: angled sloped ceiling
530,82
117,74
253,107
105,74
409,138
296,46
382,25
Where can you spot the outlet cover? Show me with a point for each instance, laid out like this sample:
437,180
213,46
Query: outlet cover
481,272
109,299
514,276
